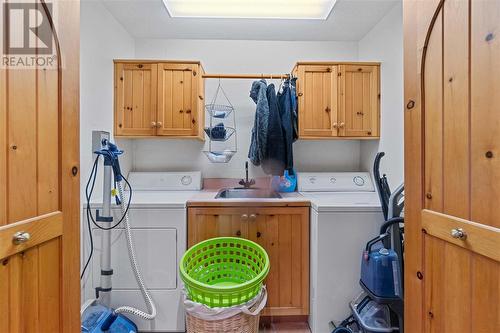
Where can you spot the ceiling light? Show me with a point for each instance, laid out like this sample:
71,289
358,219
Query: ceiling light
261,9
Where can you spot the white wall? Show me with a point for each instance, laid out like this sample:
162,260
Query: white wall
384,43
102,39
228,56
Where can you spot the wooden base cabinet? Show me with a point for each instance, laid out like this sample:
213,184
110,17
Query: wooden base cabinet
159,98
284,234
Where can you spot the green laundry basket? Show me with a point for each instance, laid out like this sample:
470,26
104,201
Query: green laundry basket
224,271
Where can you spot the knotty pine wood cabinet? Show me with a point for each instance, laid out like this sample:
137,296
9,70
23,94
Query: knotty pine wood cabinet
282,231
159,98
338,100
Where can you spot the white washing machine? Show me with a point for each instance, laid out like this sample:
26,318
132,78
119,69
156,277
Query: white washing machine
158,219
345,214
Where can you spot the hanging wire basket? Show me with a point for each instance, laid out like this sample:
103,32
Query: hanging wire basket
219,111
219,132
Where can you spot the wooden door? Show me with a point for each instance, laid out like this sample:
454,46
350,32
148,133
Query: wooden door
39,179
317,95
452,166
135,99
284,234
205,223
359,101
177,99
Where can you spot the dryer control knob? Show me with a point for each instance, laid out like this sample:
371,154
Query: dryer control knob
358,181
186,180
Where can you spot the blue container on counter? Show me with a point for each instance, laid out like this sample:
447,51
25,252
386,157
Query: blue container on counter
285,183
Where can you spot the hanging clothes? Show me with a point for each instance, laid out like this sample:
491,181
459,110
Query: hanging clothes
295,108
258,144
285,105
275,159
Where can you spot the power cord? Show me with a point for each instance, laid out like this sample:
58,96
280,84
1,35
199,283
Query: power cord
90,216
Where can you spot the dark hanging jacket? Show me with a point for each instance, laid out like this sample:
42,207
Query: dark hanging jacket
286,105
258,144
275,158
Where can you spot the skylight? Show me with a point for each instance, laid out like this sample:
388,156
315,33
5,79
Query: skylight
260,9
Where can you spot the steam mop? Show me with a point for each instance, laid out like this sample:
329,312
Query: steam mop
97,314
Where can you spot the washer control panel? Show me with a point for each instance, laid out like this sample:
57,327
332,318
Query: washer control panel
166,181
335,182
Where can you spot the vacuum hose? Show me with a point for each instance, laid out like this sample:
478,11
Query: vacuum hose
135,267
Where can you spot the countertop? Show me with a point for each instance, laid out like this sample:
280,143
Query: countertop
207,198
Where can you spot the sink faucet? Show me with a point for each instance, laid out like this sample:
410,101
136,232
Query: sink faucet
246,183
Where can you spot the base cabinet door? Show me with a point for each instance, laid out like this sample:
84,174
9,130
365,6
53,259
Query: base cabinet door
284,234
282,231
205,223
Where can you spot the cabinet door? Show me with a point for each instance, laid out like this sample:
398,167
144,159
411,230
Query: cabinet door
359,111
135,99
177,99
284,233
317,91
205,223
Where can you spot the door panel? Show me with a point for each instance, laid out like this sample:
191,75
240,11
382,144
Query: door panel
39,183
451,124
135,99
485,99
359,111
177,100
317,101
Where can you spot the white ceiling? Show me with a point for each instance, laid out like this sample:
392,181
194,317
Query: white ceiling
350,20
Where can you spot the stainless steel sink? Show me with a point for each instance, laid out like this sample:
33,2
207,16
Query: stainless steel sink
250,193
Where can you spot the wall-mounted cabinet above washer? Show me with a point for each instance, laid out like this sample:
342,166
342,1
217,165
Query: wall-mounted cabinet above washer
158,98
338,100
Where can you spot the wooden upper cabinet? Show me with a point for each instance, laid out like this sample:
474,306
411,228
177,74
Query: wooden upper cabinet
177,99
317,93
135,99
159,98
338,100
359,101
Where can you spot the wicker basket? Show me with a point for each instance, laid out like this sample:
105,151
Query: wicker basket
236,319
240,323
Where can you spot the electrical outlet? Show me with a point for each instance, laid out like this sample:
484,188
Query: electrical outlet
99,139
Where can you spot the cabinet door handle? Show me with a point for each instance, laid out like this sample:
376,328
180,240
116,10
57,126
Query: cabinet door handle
238,233
335,126
153,124
20,237
459,233
341,125
159,124
244,217
258,234
327,109
253,217
188,111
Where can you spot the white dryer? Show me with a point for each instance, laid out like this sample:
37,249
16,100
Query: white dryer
158,219
345,214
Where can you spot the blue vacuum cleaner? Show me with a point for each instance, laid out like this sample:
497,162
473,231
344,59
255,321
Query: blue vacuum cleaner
98,318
